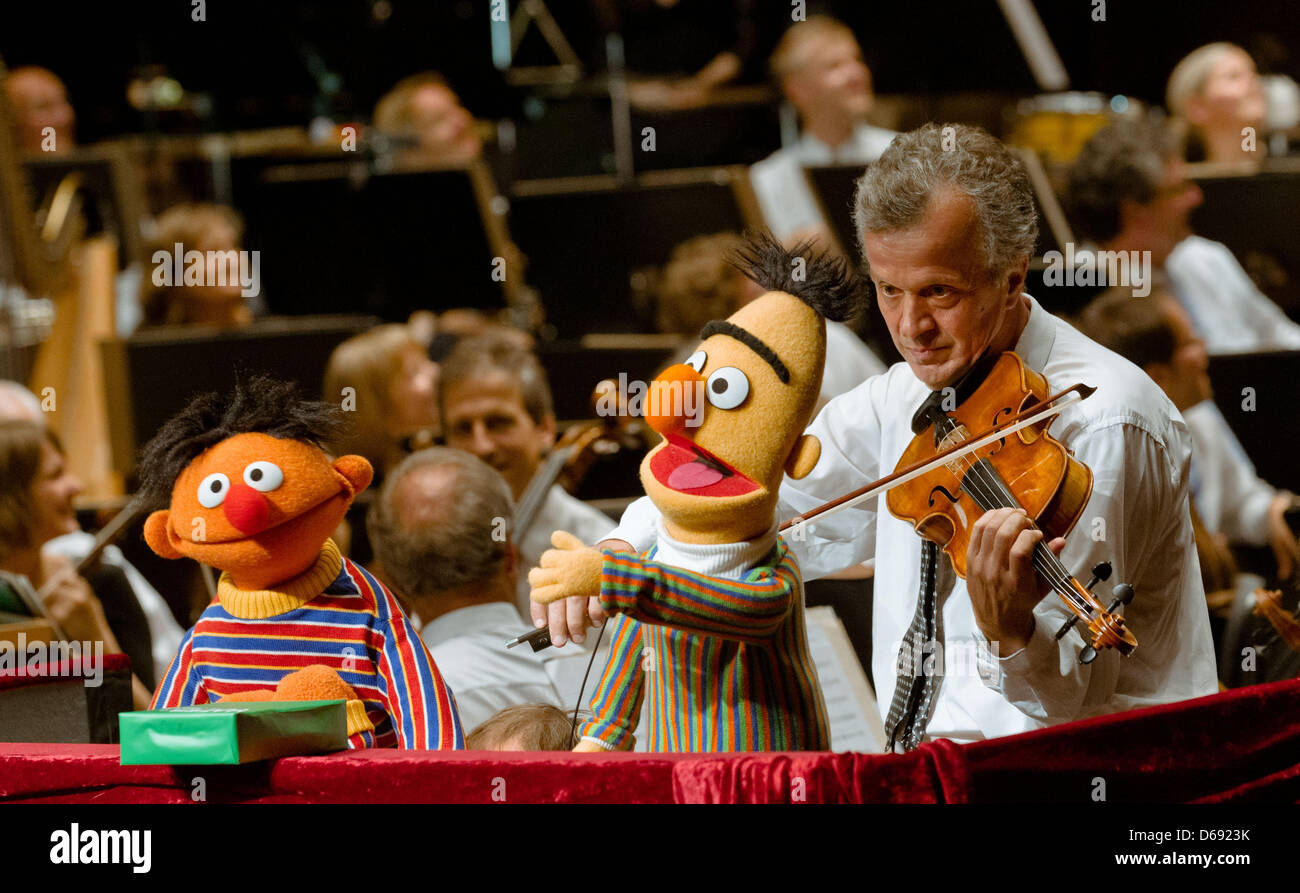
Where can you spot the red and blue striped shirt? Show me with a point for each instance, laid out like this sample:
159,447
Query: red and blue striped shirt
357,628
724,662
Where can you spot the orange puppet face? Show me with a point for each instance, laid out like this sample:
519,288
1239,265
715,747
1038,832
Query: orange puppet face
257,506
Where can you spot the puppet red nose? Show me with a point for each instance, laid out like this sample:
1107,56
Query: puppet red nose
246,508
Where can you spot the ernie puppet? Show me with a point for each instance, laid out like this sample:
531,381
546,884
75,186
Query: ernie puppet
709,622
250,492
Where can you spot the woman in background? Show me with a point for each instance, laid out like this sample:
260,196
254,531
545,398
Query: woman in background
203,228
387,386
36,505
1215,93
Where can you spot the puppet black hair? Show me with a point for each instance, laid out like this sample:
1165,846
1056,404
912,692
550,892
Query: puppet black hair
262,404
824,282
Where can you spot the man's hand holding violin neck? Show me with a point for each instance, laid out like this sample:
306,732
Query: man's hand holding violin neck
1004,587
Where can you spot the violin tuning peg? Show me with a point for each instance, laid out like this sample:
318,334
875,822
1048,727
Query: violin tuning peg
1066,627
1123,594
1100,572
1087,655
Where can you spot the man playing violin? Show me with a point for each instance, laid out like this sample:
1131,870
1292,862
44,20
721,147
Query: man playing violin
947,225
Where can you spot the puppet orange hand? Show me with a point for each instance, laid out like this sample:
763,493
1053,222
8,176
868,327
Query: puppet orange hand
315,682
569,569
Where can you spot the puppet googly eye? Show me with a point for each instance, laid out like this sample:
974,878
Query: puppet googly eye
213,490
697,360
727,388
263,476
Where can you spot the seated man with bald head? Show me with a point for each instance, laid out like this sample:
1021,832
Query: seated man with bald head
441,532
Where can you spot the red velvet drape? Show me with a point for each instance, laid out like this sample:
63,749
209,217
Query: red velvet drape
1238,746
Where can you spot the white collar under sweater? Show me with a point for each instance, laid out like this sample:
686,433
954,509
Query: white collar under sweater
730,561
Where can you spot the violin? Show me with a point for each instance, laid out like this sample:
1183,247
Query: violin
1268,604
948,478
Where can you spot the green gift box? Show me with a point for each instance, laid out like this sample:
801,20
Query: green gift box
225,734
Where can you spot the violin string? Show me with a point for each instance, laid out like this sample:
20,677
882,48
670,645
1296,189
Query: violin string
1043,559
984,489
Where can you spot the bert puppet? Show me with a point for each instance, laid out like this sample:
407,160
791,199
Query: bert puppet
709,622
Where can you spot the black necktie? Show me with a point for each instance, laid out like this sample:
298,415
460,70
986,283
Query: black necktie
915,688
919,660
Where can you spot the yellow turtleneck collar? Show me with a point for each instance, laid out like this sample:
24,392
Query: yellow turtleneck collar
259,604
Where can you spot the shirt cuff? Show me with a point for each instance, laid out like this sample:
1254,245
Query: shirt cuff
1038,654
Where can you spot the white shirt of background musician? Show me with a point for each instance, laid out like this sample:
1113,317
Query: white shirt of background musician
778,180
1137,518
849,362
566,665
560,511
468,645
1229,496
1226,307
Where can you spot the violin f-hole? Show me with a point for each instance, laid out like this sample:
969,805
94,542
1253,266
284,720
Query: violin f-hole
944,490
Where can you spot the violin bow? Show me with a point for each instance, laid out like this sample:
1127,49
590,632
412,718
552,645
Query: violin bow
1023,419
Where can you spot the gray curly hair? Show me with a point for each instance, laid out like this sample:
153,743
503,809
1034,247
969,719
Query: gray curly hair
895,190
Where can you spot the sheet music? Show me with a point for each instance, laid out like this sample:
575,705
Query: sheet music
850,701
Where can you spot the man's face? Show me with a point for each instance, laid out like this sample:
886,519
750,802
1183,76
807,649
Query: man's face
1167,217
222,238
442,125
834,79
1186,377
486,416
942,306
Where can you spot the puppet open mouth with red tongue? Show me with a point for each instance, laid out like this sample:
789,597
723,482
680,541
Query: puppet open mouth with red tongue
682,466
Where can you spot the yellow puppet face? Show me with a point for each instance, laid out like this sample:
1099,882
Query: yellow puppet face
732,419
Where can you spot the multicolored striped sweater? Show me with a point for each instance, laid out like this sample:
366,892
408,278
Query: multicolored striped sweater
725,661
335,614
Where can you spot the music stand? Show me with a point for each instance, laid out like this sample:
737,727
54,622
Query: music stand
1274,379
337,238
106,188
1254,216
587,241
157,371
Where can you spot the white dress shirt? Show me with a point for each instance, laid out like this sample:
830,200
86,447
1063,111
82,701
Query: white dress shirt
469,647
849,362
787,203
560,511
1230,498
1137,518
1228,311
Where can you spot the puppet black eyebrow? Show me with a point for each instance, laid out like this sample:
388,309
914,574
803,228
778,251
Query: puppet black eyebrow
750,340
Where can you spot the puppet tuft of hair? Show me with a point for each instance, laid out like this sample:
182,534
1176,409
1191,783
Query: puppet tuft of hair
262,404
823,281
